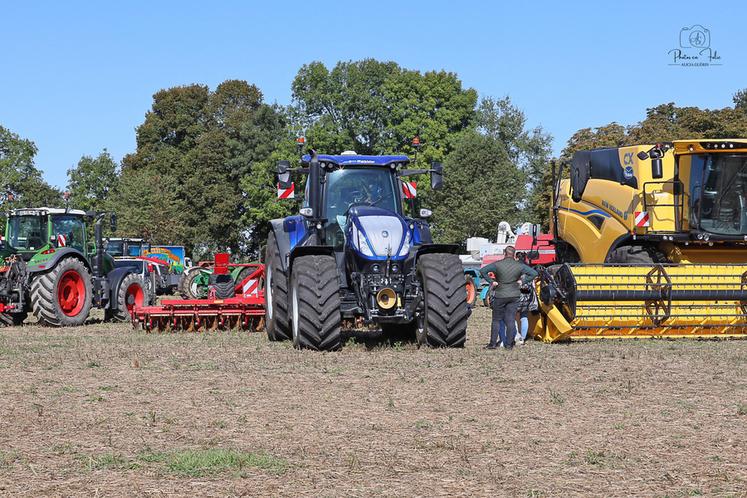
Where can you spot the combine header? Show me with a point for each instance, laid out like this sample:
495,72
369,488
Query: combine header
652,242
229,305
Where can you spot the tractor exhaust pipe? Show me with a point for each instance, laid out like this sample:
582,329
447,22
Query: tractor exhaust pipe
386,298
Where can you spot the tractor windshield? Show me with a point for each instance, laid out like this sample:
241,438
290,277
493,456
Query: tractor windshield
364,186
27,233
719,190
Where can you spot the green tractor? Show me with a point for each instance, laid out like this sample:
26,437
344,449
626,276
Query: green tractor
49,266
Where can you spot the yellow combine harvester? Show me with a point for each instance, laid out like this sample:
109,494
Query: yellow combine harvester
651,241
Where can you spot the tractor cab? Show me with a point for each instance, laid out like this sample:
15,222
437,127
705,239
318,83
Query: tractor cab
34,233
122,247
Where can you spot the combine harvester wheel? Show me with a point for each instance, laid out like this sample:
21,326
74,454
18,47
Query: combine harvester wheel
242,307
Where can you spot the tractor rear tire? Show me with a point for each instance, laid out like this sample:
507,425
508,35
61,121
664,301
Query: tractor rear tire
223,285
315,304
61,297
276,293
183,286
471,290
443,320
12,319
132,291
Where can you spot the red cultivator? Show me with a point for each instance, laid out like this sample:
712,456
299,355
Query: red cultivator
239,306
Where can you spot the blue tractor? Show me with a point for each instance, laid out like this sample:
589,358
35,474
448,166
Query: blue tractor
353,256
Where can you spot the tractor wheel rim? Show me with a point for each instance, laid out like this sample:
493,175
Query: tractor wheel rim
71,293
268,291
470,292
295,314
134,296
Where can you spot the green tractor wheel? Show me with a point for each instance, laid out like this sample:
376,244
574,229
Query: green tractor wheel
61,297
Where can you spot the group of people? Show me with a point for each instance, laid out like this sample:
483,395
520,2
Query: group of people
511,293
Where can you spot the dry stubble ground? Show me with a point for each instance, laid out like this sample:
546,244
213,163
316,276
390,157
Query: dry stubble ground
105,410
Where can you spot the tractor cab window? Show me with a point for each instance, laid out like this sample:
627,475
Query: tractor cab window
27,233
69,231
721,194
115,248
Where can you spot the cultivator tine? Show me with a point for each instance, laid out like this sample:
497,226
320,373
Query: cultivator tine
703,300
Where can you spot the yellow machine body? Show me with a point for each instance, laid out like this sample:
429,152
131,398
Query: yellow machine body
686,219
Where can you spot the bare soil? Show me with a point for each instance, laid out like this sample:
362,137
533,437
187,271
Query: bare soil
87,411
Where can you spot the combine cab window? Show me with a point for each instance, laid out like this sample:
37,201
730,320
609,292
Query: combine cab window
72,228
27,233
721,196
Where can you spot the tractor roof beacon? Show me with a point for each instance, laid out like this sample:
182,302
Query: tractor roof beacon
49,266
354,256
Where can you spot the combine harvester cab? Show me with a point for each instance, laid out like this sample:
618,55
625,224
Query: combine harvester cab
229,304
652,242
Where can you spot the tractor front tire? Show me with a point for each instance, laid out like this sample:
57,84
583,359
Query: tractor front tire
61,297
223,285
132,292
443,319
191,287
276,293
315,304
471,289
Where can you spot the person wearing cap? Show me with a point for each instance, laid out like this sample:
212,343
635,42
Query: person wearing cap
505,294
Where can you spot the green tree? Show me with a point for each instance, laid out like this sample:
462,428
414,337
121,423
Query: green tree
481,188
91,182
20,176
376,107
200,145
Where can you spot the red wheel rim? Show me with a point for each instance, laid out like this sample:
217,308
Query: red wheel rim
71,293
134,297
470,292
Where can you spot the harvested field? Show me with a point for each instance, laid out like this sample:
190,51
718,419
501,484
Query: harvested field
105,410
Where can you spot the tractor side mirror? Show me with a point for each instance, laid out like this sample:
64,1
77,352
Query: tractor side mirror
437,176
657,170
283,170
113,222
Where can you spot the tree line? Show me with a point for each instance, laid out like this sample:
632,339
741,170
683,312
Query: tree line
202,173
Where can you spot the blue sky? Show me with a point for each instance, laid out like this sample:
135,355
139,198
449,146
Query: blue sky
78,77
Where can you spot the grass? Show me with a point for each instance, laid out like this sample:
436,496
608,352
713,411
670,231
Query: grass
190,463
742,409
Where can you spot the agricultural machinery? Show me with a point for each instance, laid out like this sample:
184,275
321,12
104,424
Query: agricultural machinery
50,267
229,304
352,257
652,241
195,283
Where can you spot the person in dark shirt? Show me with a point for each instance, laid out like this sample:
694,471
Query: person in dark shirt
504,295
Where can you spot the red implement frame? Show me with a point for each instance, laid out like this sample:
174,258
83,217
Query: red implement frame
245,311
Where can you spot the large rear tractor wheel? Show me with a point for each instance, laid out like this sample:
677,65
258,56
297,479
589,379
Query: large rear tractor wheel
276,293
443,319
223,285
315,304
471,290
132,292
61,297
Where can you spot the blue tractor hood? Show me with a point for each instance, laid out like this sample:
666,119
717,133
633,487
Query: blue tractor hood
377,234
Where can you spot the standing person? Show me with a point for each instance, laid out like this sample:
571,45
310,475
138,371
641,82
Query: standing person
505,295
527,303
